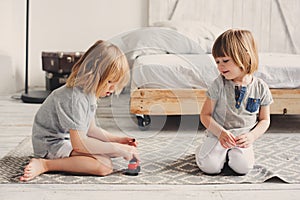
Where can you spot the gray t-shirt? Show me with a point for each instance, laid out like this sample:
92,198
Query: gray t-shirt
64,109
238,112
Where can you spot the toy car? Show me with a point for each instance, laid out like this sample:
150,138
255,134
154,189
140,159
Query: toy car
133,168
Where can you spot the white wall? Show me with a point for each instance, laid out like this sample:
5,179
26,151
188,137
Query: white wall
274,23
58,25
12,43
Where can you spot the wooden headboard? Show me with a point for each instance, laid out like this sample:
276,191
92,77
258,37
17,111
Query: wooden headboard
273,22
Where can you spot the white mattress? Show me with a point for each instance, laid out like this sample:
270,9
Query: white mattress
199,70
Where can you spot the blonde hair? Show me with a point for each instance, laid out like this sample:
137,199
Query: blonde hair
101,63
240,46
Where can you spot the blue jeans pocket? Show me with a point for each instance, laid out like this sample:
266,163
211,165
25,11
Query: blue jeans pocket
252,104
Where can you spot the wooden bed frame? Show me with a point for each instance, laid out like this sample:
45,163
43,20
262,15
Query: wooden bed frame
189,101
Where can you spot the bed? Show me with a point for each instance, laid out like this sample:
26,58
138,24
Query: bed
175,84
172,65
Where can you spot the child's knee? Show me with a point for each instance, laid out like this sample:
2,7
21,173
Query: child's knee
103,167
209,166
240,163
103,170
240,167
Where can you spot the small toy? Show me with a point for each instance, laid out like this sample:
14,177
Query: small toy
133,168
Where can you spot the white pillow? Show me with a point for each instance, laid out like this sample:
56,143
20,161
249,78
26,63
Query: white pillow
204,34
157,40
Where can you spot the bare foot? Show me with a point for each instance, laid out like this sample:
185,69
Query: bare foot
33,169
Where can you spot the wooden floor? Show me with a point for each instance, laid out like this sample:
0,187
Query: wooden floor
15,123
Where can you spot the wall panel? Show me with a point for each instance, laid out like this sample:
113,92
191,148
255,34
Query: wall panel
273,22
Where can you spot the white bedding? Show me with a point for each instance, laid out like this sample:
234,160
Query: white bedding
199,70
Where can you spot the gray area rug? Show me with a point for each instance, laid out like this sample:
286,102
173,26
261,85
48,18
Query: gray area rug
169,159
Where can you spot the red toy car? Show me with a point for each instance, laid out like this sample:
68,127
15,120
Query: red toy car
133,168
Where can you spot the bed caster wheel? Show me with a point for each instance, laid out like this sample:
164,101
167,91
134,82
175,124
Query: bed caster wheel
144,122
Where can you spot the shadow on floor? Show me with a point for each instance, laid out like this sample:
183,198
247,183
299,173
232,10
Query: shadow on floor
279,123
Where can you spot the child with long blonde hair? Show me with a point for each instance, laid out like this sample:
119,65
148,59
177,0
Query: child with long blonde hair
237,109
65,136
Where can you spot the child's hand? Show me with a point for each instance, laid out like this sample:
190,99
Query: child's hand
244,140
227,139
129,141
130,152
